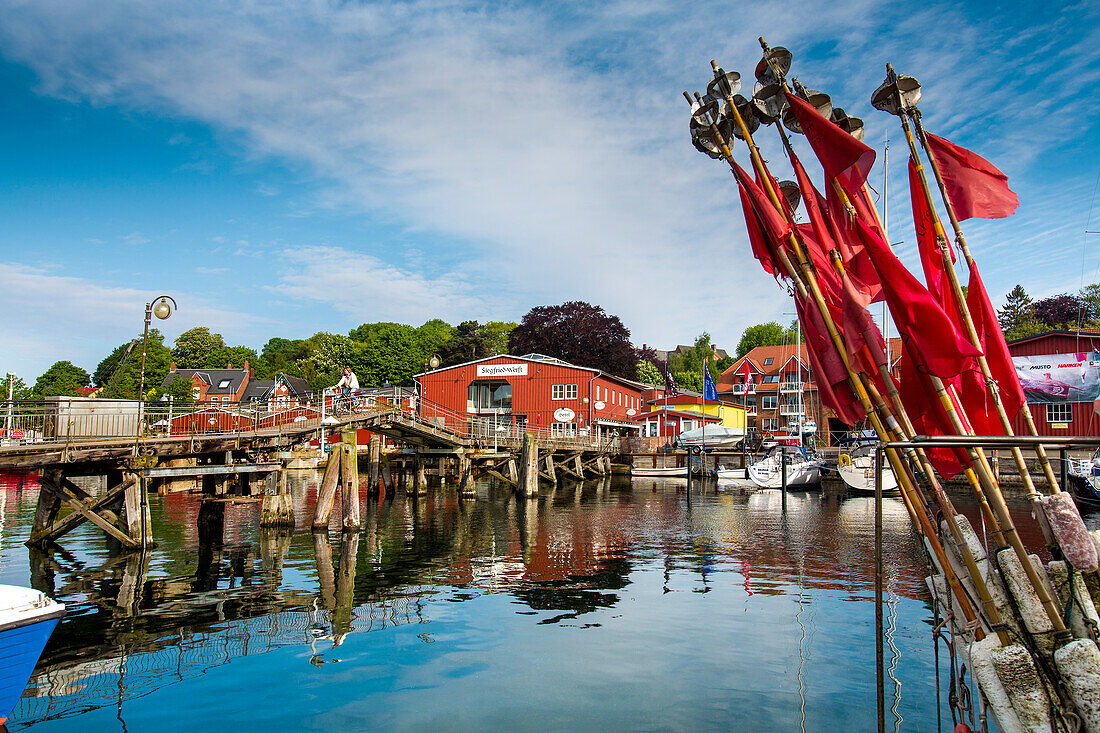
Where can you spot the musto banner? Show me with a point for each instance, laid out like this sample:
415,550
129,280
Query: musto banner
1060,377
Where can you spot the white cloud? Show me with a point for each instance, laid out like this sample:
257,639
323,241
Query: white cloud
52,317
552,155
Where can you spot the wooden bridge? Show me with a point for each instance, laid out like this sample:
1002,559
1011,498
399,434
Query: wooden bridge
429,440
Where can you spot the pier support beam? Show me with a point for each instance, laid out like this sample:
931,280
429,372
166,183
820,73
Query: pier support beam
327,493
421,477
513,471
349,486
465,476
529,467
578,467
277,509
550,470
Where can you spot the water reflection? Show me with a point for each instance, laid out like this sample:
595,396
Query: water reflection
658,574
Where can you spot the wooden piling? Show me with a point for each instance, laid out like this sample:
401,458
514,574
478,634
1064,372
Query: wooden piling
387,489
529,467
578,467
466,476
374,458
513,471
349,488
277,508
421,477
138,524
550,471
327,493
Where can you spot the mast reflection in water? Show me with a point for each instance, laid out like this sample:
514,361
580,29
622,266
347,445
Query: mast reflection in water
597,605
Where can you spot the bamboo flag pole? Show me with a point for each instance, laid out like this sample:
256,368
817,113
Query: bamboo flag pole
984,471
919,458
810,287
1040,451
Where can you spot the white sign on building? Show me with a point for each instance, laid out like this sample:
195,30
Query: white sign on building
501,370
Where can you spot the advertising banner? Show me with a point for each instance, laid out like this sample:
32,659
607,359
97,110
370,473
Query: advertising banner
1060,377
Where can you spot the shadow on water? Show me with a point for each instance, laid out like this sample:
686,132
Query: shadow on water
707,606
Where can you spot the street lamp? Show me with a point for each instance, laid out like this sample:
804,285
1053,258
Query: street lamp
11,391
431,363
158,307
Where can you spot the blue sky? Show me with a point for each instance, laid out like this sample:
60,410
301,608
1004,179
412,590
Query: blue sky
287,168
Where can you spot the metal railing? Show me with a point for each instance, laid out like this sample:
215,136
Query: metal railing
72,421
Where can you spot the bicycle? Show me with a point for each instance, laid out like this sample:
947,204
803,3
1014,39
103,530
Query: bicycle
345,403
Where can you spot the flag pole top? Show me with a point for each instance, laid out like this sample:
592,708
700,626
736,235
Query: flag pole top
897,95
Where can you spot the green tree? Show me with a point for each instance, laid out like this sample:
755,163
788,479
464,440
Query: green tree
392,353
432,335
579,333
328,354
762,334
687,368
107,368
63,378
1090,300
158,358
283,355
194,347
650,374
793,334
1016,311
232,357
498,332
19,389
179,389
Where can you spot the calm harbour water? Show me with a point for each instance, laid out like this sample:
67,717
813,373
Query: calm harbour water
602,606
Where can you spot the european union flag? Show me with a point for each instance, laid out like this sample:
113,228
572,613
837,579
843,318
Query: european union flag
710,391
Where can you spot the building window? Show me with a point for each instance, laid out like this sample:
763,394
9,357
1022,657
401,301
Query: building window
563,429
651,429
1059,412
194,393
563,392
224,384
770,379
769,424
768,361
496,395
769,402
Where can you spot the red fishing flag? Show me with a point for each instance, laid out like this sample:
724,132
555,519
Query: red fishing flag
841,155
937,346
832,378
975,187
928,416
992,339
759,241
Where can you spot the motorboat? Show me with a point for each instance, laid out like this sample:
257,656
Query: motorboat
674,472
1084,481
856,466
767,473
716,436
27,618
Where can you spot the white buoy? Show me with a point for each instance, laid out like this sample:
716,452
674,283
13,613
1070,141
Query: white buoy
1082,602
1020,680
1031,608
1000,705
1079,663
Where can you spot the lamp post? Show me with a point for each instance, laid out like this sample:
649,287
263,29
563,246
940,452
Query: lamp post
431,363
11,391
157,307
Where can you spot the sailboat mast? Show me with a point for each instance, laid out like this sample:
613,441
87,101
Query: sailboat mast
798,385
886,234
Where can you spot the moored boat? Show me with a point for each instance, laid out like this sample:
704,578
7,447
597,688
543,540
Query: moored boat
27,618
674,472
767,473
1084,481
856,467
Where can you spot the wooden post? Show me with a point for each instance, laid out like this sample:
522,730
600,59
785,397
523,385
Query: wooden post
327,493
49,503
466,476
138,525
388,489
349,487
550,470
513,471
211,523
421,477
578,467
277,509
325,575
529,467
374,457
345,586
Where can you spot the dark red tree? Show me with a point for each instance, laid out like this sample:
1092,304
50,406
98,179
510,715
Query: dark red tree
579,333
1058,310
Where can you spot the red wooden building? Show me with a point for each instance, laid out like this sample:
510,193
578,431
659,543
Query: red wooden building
513,394
1060,373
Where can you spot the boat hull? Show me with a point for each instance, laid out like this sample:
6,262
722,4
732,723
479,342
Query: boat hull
673,473
27,618
861,479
